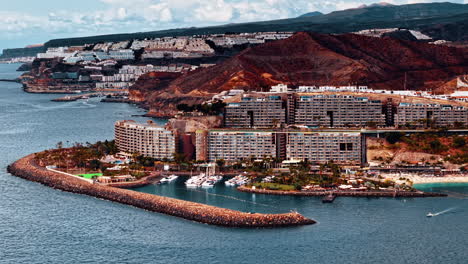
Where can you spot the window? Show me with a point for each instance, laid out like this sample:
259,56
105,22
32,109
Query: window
342,146
346,146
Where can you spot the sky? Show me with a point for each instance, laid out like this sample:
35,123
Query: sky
25,22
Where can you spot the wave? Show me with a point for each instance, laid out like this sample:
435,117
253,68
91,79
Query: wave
14,131
443,212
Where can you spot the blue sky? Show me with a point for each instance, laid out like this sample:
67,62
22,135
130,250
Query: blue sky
24,22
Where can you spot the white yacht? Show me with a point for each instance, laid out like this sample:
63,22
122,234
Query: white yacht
208,184
170,178
237,181
230,182
195,181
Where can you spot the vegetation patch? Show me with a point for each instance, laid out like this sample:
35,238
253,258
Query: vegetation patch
274,186
90,175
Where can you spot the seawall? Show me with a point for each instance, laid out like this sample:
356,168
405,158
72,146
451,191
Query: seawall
345,193
27,168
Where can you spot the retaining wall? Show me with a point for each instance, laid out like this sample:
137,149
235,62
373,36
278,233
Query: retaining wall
345,193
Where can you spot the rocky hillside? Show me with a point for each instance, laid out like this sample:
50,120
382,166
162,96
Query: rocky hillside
150,83
424,148
316,59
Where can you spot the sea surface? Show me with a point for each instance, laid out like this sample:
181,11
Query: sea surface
42,225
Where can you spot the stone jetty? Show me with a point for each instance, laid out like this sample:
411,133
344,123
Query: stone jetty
383,193
27,168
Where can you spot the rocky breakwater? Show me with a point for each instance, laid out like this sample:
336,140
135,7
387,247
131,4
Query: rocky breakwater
27,168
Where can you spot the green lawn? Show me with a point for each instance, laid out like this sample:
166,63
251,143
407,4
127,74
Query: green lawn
90,175
274,186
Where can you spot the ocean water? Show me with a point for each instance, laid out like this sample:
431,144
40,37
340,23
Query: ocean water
42,225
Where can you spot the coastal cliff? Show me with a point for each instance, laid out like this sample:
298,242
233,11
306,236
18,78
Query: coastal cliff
27,168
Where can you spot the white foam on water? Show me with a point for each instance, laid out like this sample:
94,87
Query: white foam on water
443,212
230,197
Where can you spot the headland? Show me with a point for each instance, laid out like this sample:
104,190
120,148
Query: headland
28,169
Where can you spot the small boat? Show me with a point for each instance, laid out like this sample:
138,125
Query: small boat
230,183
172,178
169,178
215,178
430,215
191,183
237,181
329,198
208,184
195,181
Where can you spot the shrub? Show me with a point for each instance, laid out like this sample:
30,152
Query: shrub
393,138
436,146
459,142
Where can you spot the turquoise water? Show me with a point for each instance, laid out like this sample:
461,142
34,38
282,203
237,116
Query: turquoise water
42,225
437,186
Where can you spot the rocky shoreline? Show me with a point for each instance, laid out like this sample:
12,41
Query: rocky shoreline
27,168
344,193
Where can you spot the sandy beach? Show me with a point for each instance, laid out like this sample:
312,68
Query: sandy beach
416,179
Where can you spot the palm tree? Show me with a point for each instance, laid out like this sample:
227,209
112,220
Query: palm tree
220,163
179,158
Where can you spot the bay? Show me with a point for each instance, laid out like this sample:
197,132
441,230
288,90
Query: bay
42,225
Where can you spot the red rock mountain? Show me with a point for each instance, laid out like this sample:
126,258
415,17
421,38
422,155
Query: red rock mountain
153,82
318,59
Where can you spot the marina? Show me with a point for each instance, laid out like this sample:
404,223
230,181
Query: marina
79,96
28,168
205,180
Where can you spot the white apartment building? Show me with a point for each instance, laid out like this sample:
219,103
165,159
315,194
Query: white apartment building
318,147
147,139
324,146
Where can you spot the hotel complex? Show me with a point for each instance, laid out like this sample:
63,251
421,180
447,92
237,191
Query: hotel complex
319,147
234,145
148,139
263,110
260,112
422,115
337,111
282,124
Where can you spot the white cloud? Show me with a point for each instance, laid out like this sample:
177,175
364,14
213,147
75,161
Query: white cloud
214,11
145,15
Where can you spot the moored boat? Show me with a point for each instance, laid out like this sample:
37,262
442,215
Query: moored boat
170,178
237,181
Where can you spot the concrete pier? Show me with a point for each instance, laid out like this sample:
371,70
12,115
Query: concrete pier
346,193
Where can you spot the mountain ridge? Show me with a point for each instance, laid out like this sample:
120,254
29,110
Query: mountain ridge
362,16
446,21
